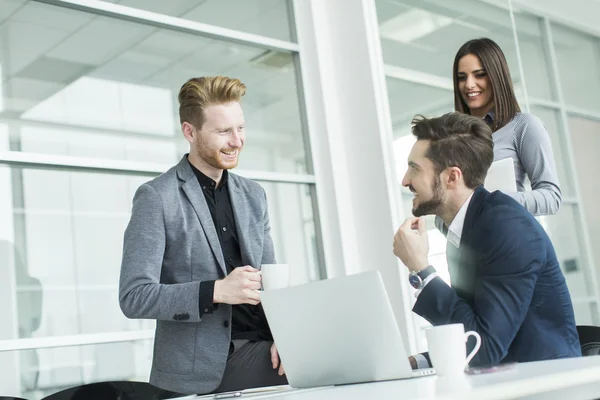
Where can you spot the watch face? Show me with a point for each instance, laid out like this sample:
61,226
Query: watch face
415,280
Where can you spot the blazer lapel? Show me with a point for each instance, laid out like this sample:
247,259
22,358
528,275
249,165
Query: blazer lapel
241,212
196,197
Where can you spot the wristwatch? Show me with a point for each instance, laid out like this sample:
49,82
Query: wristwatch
416,279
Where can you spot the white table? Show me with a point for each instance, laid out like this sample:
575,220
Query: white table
571,379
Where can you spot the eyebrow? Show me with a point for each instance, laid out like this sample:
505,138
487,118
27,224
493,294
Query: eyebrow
474,72
224,128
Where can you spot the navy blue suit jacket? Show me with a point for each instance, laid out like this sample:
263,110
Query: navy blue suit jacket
506,285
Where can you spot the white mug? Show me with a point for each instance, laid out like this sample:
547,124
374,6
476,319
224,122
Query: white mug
448,348
275,276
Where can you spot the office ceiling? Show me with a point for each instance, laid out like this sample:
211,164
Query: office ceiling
581,13
45,50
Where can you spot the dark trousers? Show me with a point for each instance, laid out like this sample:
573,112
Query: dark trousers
248,366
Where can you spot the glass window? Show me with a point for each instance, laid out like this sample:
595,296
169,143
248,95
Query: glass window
62,261
566,238
269,18
585,137
425,36
64,255
83,85
584,312
35,374
578,58
551,120
408,99
536,62
293,229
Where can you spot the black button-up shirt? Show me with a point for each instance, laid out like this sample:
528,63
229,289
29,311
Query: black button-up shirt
248,321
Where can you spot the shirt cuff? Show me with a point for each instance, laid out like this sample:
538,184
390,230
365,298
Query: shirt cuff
425,282
421,361
205,298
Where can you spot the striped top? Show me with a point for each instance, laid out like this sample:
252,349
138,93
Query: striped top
527,142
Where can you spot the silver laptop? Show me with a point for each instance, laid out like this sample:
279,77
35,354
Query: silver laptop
501,176
337,331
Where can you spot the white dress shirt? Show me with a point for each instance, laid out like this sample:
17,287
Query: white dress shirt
456,227
454,235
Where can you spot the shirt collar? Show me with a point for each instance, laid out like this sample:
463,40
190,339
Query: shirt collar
489,118
456,227
207,182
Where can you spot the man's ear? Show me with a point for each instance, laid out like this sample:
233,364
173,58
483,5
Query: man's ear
454,176
188,131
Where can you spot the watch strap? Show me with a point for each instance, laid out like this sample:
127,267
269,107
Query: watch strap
424,273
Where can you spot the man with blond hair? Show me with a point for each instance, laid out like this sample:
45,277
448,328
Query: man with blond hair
191,253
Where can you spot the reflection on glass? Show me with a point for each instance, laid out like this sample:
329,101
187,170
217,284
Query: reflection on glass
293,229
269,18
44,372
425,36
408,99
115,106
64,253
583,313
566,238
585,139
551,121
536,62
578,59
99,87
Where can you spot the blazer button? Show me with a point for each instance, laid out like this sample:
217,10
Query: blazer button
226,324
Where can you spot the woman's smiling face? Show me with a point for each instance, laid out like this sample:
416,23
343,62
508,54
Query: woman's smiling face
475,86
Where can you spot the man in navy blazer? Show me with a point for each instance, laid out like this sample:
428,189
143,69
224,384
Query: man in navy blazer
506,280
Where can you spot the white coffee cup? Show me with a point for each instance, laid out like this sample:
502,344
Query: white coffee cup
275,276
448,348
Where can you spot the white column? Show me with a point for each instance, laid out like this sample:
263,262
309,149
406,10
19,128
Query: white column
351,143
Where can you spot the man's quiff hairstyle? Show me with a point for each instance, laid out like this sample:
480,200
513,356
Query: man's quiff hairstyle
199,93
457,140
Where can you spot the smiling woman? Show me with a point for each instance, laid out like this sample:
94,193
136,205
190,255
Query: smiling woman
483,88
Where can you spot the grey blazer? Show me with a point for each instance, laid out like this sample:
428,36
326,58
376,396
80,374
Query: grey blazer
170,246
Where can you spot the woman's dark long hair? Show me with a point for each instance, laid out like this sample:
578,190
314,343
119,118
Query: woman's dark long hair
493,61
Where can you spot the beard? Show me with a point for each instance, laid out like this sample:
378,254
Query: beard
428,207
213,157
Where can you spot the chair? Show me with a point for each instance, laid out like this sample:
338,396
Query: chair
11,398
589,338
